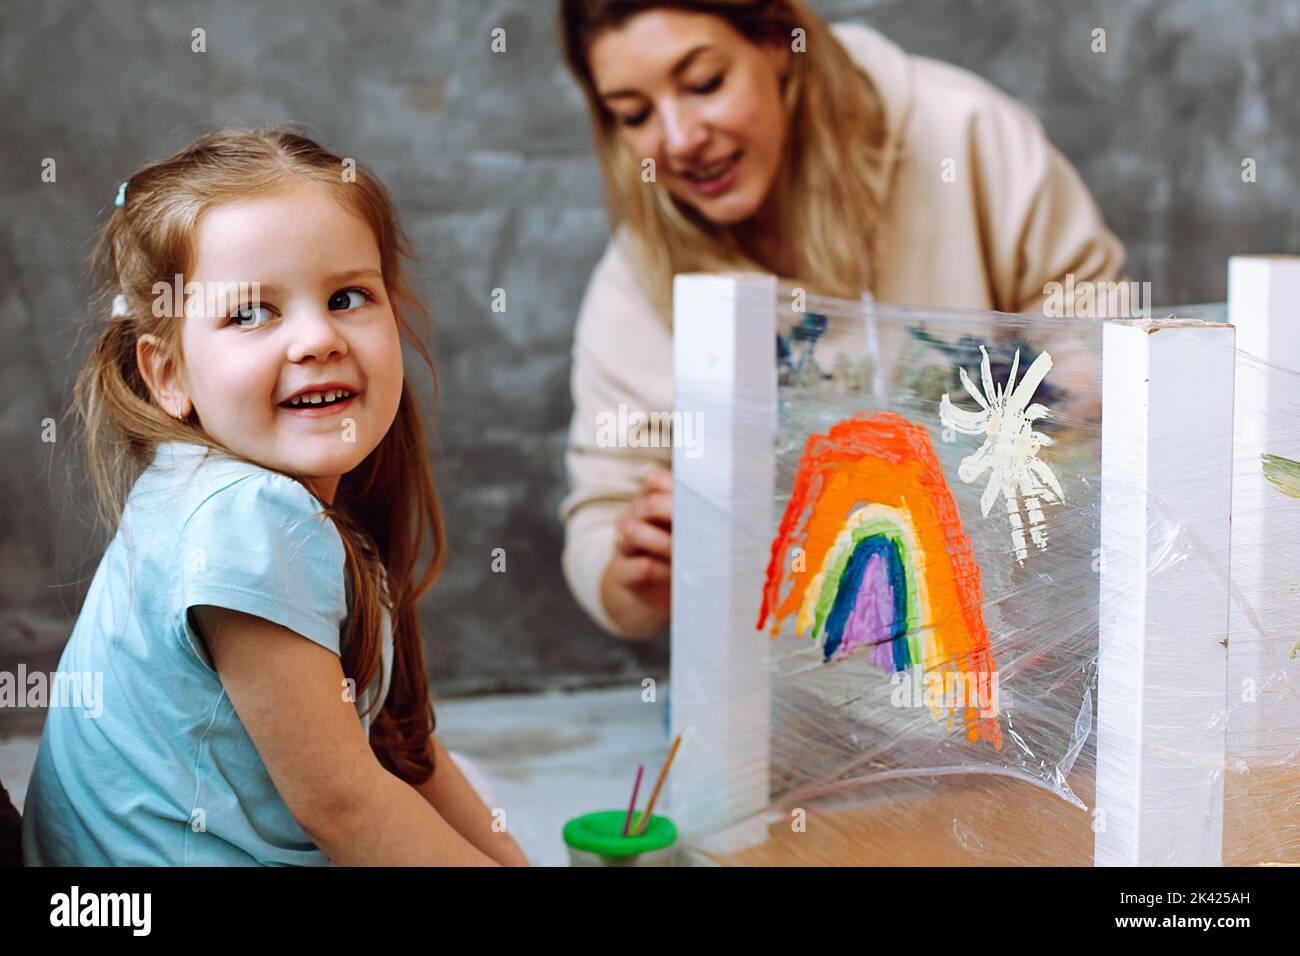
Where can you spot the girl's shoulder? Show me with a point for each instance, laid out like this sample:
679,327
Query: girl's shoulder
201,492
229,533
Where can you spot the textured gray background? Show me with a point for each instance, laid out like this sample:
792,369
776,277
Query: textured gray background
488,158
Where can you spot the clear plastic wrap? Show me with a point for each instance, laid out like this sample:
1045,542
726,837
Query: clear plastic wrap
913,625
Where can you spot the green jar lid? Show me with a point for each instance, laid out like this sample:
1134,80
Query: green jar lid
602,833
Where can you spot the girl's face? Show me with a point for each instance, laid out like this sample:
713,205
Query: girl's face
690,92
321,321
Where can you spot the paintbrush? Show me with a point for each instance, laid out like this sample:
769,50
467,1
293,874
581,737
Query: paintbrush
659,784
631,807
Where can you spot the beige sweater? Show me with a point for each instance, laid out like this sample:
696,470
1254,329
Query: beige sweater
1016,217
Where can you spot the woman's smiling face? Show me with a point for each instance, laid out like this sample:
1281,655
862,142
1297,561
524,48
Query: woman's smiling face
318,318
700,99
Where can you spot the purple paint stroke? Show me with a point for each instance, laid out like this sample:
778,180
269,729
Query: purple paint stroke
872,618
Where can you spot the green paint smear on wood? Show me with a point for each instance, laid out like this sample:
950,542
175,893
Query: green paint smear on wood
1283,473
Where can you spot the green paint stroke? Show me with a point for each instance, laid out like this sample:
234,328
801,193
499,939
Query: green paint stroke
1283,473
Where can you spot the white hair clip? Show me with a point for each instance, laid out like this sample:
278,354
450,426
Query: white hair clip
119,306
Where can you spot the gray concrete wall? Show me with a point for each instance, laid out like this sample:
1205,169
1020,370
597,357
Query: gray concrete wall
488,158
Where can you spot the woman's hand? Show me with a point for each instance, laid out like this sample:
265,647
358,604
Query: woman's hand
636,586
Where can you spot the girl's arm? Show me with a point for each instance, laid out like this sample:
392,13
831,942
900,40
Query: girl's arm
288,692
458,803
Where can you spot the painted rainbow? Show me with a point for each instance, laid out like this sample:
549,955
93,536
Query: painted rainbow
873,559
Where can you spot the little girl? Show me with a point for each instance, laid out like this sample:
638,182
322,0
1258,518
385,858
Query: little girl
254,616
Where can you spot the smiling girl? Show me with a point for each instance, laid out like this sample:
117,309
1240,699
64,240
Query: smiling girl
254,616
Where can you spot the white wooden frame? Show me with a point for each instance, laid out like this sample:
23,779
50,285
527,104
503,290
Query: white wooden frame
724,336
1264,307
1163,648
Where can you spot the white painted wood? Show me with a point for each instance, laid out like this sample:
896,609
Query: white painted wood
1264,707
724,344
1167,400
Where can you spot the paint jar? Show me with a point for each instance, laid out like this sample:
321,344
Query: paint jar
596,839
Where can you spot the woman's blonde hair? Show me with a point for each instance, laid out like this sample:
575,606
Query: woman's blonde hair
828,183
385,509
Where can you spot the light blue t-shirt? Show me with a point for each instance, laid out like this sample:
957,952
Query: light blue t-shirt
166,774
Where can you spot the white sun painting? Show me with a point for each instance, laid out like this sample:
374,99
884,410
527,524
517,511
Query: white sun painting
1010,451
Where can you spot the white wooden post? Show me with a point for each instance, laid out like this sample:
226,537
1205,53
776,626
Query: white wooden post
724,348
1167,400
1264,307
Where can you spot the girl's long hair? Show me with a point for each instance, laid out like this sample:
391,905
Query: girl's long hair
828,187
386,509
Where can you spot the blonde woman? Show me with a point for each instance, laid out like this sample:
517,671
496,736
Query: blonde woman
779,143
